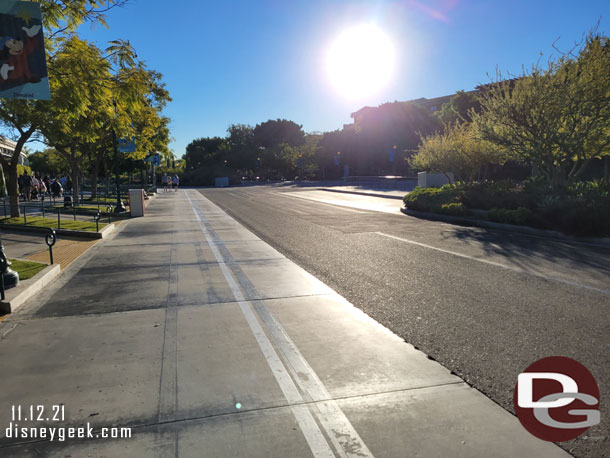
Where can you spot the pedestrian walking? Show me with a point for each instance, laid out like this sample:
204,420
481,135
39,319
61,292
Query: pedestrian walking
56,188
27,186
164,179
42,188
35,186
47,184
176,181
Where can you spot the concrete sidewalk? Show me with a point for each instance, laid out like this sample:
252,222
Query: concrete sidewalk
33,247
208,342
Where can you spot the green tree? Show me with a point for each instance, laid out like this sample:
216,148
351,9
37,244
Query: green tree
23,117
457,150
332,150
458,108
202,152
275,132
239,149
64,16
48,162
98,93
556,118
81,105
308,153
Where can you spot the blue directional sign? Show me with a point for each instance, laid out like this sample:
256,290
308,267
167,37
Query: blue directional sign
154,159
126,145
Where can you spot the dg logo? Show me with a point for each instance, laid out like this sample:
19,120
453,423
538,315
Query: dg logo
557,399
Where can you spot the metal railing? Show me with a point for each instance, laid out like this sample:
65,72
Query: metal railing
63,209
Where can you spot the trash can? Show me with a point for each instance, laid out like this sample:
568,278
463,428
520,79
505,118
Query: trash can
136,202
67,201
221,182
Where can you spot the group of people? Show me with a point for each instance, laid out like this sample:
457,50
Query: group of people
168,182
32,187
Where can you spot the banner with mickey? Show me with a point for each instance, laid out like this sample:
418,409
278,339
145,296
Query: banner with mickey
23,67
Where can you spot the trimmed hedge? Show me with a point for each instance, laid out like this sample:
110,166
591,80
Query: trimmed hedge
520,216
582,208
453,209
430,199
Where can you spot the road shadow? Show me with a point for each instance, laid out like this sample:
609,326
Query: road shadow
519,248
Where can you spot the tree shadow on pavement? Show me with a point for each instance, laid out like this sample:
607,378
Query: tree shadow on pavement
521,249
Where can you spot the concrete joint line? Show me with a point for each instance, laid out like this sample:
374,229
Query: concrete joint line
168,383
337,428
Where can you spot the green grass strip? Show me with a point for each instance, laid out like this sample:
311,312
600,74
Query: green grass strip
51,223
26,269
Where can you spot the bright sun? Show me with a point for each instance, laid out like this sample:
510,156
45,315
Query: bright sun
360,61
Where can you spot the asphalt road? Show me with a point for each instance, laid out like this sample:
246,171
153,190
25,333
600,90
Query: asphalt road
485,304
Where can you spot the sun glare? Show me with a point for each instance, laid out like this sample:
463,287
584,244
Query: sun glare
360,61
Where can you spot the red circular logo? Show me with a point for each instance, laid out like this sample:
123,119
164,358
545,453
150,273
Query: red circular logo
557,399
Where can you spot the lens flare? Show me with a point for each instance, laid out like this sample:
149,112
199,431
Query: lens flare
361,61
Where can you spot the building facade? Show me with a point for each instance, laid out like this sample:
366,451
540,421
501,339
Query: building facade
7,148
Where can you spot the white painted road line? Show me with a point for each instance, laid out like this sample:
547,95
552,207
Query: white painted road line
497,264
347,443
295,195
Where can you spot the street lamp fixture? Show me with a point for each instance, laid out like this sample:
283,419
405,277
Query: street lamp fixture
119,208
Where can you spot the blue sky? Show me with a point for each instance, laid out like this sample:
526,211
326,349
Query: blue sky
245,62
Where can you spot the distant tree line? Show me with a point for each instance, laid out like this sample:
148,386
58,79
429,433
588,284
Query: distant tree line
377,143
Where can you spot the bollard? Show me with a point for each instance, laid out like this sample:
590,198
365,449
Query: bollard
74,212
51,238
97,217
6,273
4,263
58,218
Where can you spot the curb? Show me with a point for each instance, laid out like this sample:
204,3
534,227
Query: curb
41,230
16,296
465,221
362,193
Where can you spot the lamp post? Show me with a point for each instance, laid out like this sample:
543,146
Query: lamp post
119,208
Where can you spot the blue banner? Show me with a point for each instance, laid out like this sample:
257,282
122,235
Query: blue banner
126,145
23,65
154,159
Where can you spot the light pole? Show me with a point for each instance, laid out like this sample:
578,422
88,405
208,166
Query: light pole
119,208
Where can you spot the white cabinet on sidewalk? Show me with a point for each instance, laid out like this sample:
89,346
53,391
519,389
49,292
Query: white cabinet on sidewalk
137,206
